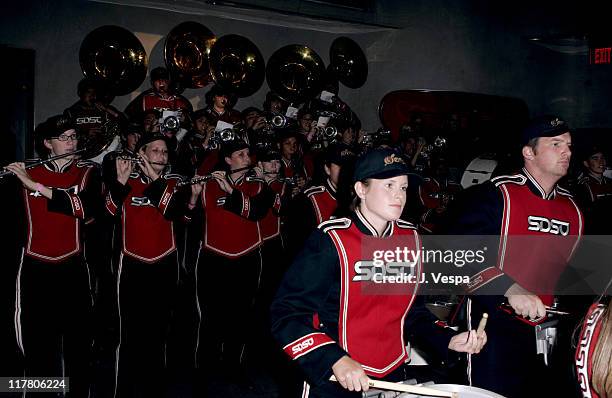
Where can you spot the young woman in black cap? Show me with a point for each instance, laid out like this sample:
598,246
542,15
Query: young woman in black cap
143,199
332,319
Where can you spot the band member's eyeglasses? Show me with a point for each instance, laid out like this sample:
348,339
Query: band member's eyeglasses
71,137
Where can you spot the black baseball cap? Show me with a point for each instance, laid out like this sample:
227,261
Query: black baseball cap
339,154
544,126
149,138
54,127
160,73
268,155
227,148
379,163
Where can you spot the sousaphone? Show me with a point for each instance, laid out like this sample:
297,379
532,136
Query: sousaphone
186,53
295,73
348,62
236,65
115,57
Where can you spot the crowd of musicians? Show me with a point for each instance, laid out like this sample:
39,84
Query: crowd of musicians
214,205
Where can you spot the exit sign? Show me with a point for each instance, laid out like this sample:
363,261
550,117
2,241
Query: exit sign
601,55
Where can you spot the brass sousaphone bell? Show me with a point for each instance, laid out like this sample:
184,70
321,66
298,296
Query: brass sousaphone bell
236,65
186,53
295,72
114,57
348,62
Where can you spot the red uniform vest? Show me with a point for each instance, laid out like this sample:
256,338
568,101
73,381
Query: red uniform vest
147,235
584,352
225,232
323,203
52,236
371,326
270,224
538,237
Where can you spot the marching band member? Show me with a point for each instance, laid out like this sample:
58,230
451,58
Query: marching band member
358,335
146,202
229,262
594,192
54,301
539,227
318,203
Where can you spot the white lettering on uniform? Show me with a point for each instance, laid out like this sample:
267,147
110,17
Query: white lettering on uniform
551,226
302,346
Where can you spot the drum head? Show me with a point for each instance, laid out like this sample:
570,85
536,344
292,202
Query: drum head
466,391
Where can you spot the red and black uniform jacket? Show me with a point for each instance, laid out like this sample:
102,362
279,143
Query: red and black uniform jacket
294,168
231,225
147,209
536,234
54,225
591,329
370,328
153,100
318,204
269,226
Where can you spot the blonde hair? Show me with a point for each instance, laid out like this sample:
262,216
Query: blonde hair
356,202
602,366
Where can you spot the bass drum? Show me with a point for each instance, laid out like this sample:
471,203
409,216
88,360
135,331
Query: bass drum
479,170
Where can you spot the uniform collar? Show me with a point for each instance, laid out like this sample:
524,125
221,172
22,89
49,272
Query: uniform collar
365,227
52,166
330,188
536,188
599,180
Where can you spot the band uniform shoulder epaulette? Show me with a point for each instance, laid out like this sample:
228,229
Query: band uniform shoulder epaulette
517,179
335,223
173,176
313,190
86,163
564,192
404,224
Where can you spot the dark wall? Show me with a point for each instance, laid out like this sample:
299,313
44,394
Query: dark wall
446,45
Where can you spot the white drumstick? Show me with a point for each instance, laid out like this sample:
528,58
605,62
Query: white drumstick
385,385
483,323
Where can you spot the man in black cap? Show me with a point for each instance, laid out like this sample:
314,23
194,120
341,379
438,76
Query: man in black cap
318,203
539,226
594,192
54,302
229,261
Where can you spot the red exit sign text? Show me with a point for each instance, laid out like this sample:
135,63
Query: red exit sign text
600,55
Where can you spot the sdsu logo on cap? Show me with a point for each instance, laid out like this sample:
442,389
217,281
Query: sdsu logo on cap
393,159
